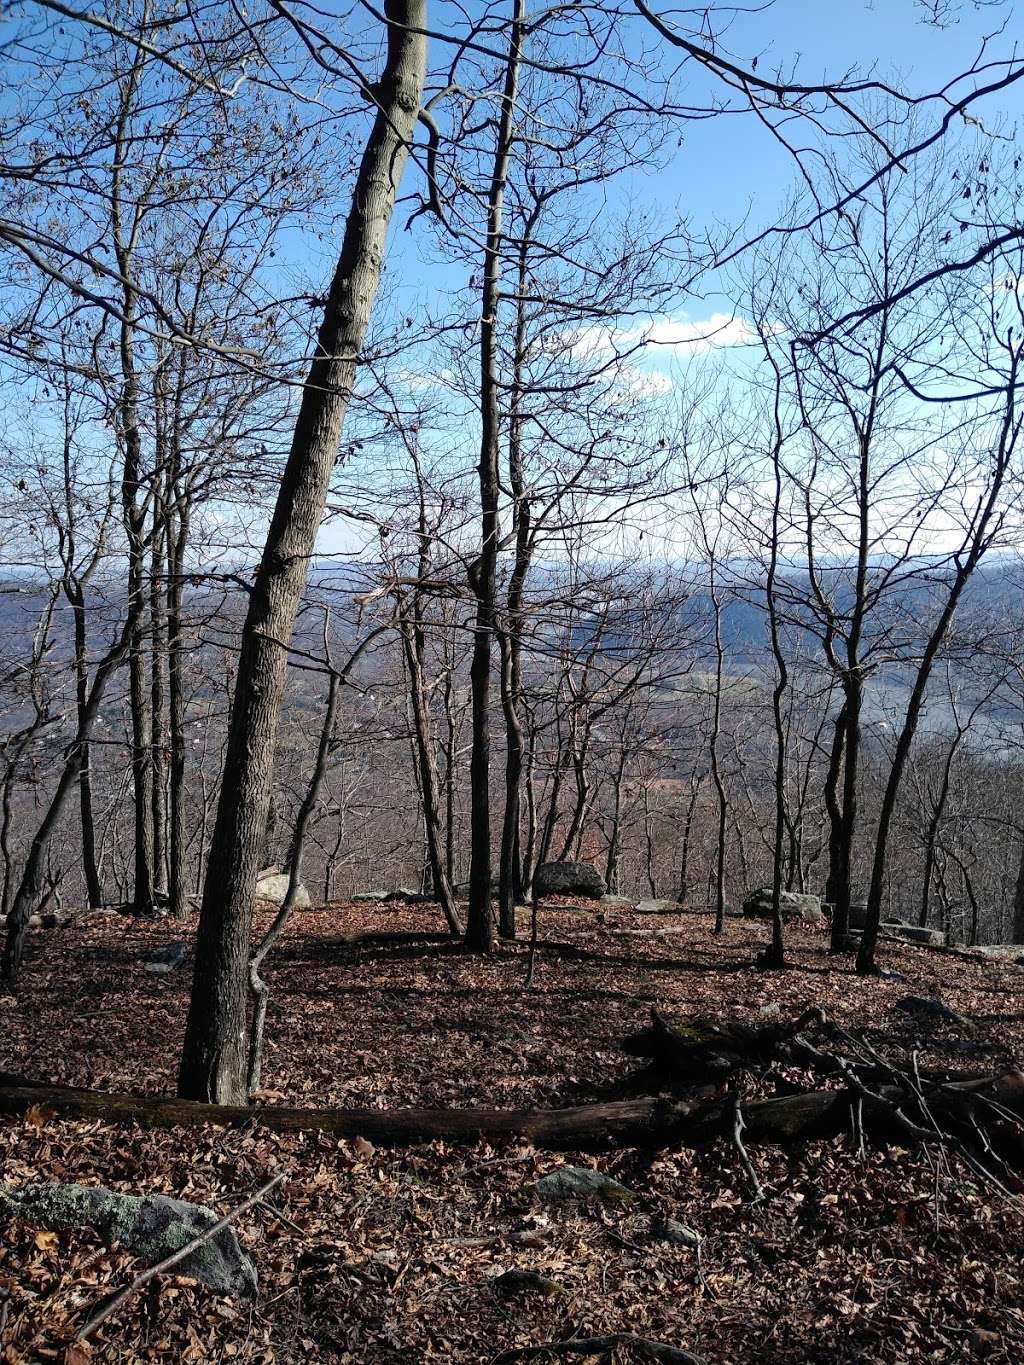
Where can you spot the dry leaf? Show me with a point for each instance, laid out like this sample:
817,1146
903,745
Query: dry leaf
38,1116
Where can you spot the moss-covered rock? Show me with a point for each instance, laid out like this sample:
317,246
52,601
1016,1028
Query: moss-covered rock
150,1227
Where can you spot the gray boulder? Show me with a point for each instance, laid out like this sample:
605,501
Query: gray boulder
150,1227
568,879
793,904
913,933
579,1182
272,885
653,907
167,959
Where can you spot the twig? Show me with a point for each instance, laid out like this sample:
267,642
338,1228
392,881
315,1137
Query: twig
857,1120
143,1279
737,1136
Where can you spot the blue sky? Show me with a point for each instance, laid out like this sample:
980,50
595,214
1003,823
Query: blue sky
729,169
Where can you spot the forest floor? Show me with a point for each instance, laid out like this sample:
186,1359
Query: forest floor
370,1254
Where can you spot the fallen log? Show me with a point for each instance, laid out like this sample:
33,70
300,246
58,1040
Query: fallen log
647,1122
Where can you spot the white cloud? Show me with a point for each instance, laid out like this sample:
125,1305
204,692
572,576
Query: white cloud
637,383
680,337
684,336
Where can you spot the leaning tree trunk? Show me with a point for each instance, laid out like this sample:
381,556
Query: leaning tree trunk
213,1062
843,870
259,987
984,526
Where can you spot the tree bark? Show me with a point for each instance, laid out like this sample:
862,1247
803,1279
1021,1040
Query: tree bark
483,571
414,649
177,894
90,865
157,710
213,1062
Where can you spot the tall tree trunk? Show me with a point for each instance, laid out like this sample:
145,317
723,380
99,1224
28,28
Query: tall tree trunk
611,870
848,817
90,866
449,772
529,845
574,834
414,650
177,893
483,572
259,987
775,953
124,230
510,873
213,1062
157,712
833,773
716,770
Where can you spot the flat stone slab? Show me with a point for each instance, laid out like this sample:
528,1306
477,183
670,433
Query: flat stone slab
906,933
151,1227
656,907
1012,953
913,933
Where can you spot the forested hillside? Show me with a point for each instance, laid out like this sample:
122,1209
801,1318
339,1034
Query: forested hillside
510,560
